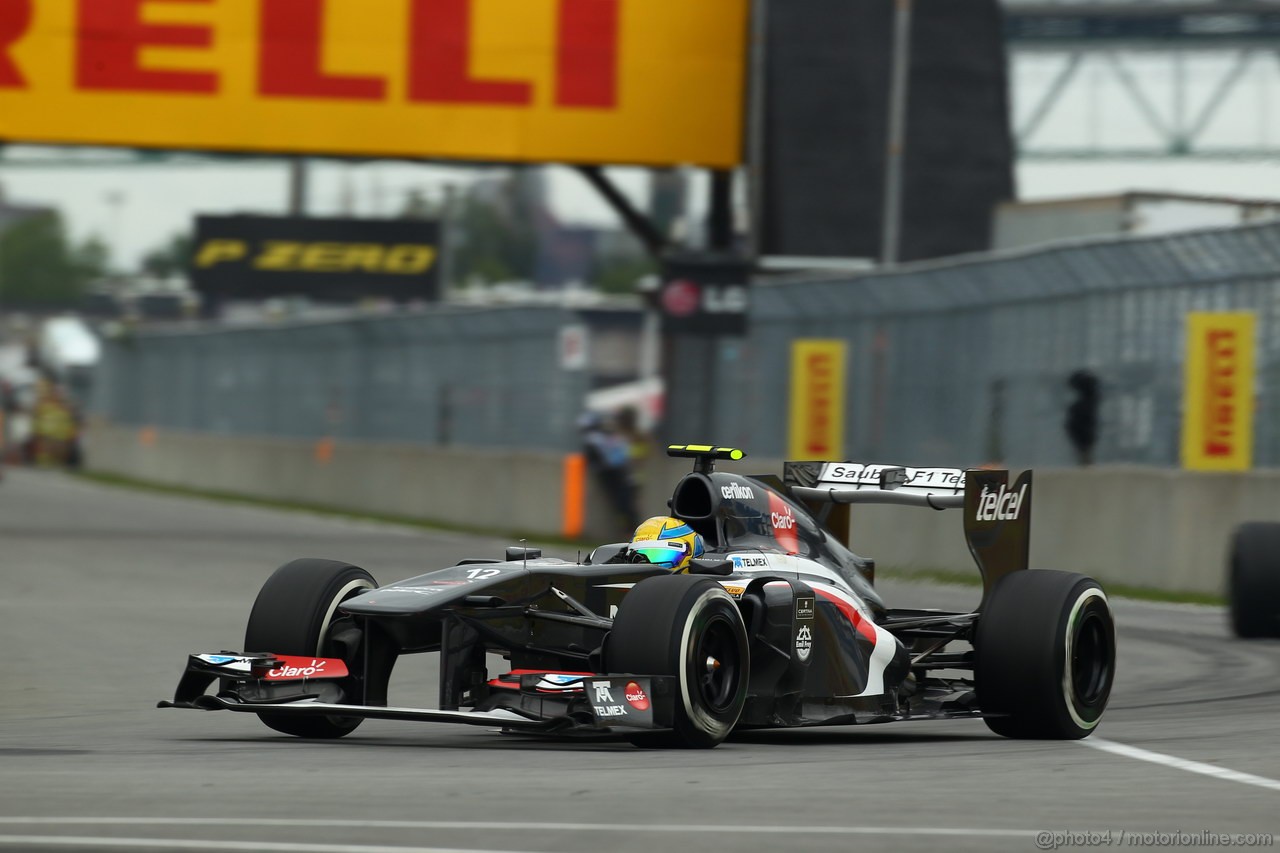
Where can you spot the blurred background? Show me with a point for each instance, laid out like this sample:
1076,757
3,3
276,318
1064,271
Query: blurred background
398,262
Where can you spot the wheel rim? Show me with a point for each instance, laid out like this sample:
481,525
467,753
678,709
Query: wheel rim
1091,659
716,665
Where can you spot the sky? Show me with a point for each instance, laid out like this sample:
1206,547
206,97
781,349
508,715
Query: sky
135,209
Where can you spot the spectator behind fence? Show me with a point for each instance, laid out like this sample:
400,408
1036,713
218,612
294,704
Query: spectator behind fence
609,459
1082,415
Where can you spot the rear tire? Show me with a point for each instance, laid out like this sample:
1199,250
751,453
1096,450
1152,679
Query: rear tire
1254,580
676,625
1045,655
292,616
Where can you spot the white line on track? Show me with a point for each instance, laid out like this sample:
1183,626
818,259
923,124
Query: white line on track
511,826
29,841
1180,763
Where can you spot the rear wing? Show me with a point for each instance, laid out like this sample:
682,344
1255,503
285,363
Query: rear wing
997,516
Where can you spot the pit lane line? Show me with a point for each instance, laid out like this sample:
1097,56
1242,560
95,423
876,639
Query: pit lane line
1177,763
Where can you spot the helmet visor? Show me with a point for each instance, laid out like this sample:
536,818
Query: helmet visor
668,554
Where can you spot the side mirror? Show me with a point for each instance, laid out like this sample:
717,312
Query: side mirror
516,552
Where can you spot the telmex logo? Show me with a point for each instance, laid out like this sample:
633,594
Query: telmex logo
294,256
1003,505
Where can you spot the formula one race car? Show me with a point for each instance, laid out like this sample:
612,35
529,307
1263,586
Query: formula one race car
777,624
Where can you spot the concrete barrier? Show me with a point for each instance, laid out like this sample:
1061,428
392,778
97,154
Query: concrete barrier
511,490
1148,527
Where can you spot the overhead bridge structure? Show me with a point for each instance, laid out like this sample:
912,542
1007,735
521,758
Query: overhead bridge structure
1103,80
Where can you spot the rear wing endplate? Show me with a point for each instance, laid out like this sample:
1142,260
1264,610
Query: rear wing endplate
997,516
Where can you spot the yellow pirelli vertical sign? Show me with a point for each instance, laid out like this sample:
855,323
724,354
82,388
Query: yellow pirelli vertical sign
817,399
1217,411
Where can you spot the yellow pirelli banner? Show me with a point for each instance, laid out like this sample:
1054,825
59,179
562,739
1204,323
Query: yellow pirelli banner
654,82
1217,412
817,399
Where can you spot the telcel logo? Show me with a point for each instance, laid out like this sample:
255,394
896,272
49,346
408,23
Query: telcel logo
1003,505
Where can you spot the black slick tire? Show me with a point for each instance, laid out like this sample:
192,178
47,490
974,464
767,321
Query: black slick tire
292,616
690,628
1254,580
1045,655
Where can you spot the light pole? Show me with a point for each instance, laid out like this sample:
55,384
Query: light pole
899,90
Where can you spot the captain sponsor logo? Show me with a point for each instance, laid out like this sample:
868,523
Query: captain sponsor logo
737,491
804,643
1003,505
603,694
750,562
636,696
287,671
804,608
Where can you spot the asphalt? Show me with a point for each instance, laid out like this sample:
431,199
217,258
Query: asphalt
105,591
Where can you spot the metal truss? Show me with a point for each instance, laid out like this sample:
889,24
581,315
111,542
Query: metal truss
1117,103
1116,80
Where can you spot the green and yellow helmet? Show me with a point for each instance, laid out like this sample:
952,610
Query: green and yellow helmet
666,541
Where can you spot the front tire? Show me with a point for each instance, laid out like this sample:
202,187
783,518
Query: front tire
292,616
1255,580
690,628
1045,655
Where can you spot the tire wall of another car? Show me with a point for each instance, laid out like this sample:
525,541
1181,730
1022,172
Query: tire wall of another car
1253,580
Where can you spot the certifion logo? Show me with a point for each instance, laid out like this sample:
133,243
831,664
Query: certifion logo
680,298
737,491
1003,505
636,696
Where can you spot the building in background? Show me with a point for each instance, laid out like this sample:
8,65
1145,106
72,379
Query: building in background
1030,223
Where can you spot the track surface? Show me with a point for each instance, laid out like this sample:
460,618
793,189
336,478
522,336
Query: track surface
107,590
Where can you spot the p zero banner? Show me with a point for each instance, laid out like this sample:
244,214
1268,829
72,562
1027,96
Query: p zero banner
328,260
817,400
1217,416
587,81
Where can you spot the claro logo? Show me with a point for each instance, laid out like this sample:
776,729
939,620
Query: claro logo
1003,505
286,671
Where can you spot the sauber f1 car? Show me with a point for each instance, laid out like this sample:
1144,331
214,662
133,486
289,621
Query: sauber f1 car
777,624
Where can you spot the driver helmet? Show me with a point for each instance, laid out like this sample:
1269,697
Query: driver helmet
666,541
